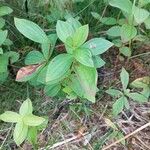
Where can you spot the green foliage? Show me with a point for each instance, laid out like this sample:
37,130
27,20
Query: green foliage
122,96
64,71
128,28
25,122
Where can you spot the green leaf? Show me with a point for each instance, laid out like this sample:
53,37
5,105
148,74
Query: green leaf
98,62
124,5
88,79
74,22
98,45
32,120
58,66
47,48
3,63
114,31
146,92
2,23
118,106
124,78
84,56
3,35
126,103
20,133
3,77
13,56
34,57
75,85
140,15
109,21
96,15
10,116
120,136
114,92
32,135
64,30
26,107
1,51
147,23
80,36
31,30
128,32
52,90
143,2
126,51
138,97
5,10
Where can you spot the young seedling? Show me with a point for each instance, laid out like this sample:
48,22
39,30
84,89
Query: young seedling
26,122
122,96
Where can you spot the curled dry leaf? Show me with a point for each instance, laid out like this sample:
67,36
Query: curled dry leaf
26,71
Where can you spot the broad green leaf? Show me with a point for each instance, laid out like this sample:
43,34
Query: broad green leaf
98,62
58,66
124,5
118,106
140,14
88,79
64,30
114,31
141,82
26,108
117,42
74,22
126,51
80,36
3,76
147,23
138,97
84,56
124,76
146,92
128,32
31,30
75,85
32,120
96,15
52,90
114,92
32,135
109,21
13,56
53,39
3,36
20,133
5,10
98,45
3,63
42,77
10,116
2,23
34,57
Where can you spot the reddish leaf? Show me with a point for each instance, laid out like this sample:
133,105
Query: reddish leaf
26,71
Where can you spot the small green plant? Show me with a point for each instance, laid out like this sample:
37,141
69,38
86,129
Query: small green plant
122,96
26,123
74,72
144,84
6,56
128,28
